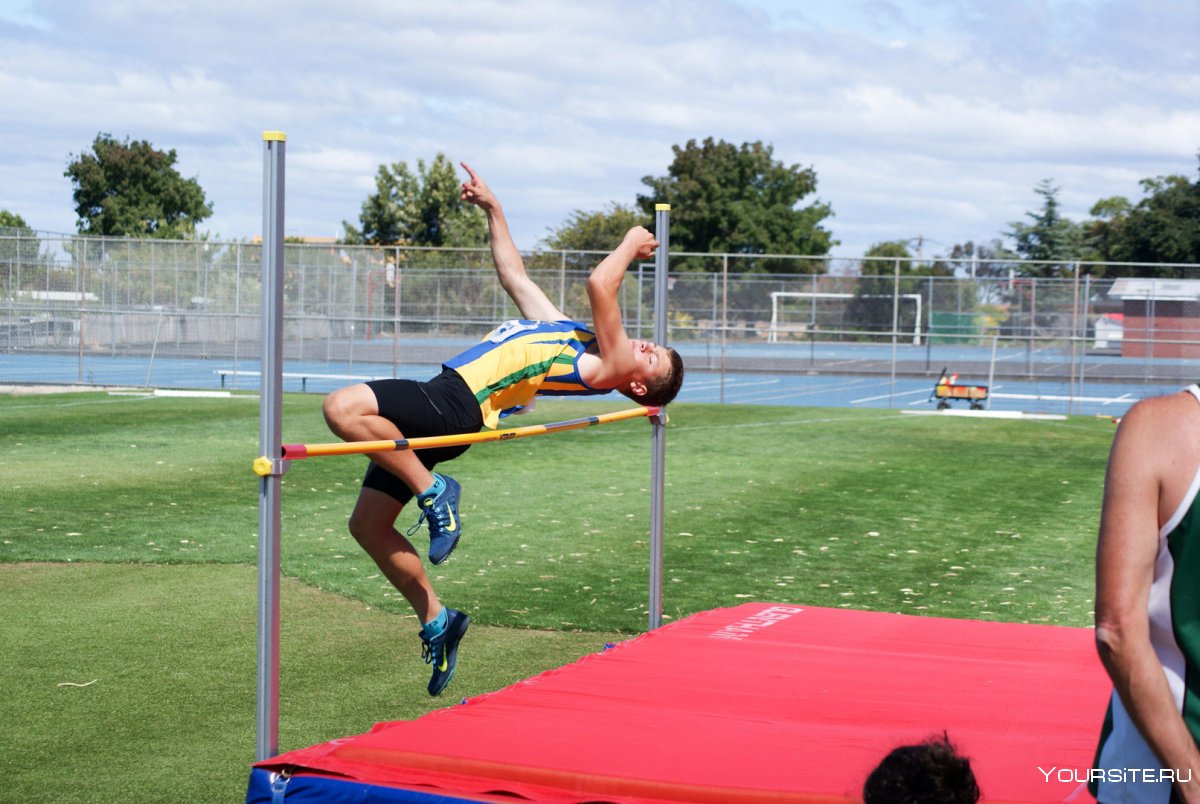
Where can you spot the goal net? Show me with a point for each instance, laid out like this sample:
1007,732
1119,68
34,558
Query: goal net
801,311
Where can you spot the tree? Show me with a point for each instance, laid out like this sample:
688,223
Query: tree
18,243
981,260
595,231
873,305
739,199
886,255
1103,233
132,189
421,209
1050,236
1164,227
890,251
11,220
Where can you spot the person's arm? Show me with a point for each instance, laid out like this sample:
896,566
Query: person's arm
616,362
1146,441
530,299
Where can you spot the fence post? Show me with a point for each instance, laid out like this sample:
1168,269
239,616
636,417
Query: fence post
1087,295
1032,326
895,330
724,318
562,281
1071,405
81,295
929,324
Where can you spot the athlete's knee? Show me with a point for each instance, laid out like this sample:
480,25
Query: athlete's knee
345,404
372,524
361,528
370,532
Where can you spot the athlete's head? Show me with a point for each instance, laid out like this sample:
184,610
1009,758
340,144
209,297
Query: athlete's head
932,771
659,374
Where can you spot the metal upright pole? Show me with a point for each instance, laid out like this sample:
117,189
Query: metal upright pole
895,332
1074,340
270,445
658,436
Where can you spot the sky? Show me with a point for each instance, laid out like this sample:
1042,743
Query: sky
930,121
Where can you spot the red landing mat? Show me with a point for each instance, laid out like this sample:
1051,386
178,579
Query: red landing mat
757,703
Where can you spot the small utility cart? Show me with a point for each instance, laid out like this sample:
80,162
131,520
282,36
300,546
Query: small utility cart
948,388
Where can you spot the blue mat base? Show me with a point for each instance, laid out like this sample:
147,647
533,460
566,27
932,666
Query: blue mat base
269,788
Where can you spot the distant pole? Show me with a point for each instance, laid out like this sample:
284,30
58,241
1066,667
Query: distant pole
270,440
896,328
1074,340
658,442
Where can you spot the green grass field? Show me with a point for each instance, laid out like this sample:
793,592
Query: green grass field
128,544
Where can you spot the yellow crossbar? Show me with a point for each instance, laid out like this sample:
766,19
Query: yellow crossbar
291,452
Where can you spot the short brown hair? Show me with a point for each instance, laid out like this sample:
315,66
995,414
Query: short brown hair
662,390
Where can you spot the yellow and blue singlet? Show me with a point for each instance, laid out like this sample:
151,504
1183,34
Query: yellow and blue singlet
520,359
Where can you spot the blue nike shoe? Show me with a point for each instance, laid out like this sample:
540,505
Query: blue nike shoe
441,651
442,514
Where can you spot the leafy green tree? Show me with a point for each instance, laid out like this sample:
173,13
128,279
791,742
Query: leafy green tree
420,209
11,220
872,306
739,199
21,266
1049,236
1163,227
981,260
132,189
886,254
17,241
985,262
596,231
890,251
1102,234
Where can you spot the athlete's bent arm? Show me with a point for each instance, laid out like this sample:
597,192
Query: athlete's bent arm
617,364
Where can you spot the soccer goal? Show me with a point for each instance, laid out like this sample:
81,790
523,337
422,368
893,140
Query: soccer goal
779,310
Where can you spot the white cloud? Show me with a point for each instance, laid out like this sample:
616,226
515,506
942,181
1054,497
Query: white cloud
922,117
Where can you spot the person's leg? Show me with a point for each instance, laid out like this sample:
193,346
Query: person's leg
392,409
373,526
352,413
387,410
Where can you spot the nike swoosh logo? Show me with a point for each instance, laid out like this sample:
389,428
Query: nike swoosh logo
453,523
445,664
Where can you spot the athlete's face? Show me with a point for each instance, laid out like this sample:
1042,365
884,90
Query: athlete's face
653,361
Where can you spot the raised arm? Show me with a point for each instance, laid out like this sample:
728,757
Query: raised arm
530,299
617,361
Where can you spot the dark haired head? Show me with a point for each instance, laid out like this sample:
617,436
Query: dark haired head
662,390
931,772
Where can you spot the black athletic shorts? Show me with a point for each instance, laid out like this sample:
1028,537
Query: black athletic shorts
442,406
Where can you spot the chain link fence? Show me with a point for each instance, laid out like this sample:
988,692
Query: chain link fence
124,312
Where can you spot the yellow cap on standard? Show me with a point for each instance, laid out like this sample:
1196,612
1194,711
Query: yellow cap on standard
277,136
667,207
